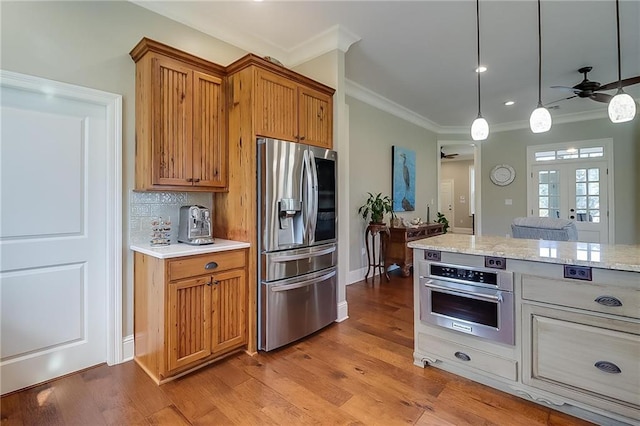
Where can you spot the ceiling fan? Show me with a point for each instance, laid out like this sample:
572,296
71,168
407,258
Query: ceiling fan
591,89
447,156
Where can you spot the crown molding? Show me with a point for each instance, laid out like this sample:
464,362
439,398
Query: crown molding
334,38
370,97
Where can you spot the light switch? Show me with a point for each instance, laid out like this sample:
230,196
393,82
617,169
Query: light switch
508,201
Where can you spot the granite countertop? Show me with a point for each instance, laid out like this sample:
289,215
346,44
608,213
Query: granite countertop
605,256
180,249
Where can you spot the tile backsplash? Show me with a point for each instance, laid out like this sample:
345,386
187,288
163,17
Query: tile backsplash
145,206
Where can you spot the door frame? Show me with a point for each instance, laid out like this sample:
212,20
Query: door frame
477,173
113,106
607,143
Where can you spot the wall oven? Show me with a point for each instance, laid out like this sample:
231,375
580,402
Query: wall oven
472,300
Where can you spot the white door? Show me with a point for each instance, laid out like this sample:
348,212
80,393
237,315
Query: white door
53,237
575,191
446,200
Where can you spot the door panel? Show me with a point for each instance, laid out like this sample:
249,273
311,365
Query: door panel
229,310
446,200
189,321
276,107
316,116
172,141
575,191
209,147
53,237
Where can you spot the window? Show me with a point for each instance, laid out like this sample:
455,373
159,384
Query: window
569,153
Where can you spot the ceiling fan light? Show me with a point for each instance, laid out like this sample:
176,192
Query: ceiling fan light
622,108
479,129
540,120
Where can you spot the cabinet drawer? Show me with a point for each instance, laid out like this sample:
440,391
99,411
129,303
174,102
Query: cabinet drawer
192,266
586,357
583,295
445,350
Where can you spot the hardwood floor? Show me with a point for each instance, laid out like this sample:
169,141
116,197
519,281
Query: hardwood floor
359,371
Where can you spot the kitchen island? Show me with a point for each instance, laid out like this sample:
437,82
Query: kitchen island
554,322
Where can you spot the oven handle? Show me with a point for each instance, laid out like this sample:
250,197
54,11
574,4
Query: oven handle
496,298
303,283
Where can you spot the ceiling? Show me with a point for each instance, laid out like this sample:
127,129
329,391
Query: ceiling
421,55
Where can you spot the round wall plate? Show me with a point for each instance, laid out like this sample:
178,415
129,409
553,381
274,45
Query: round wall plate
502,174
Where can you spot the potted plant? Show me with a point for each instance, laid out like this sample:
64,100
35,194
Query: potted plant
376,206
443,220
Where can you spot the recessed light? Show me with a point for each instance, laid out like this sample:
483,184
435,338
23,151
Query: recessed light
481,68
509,103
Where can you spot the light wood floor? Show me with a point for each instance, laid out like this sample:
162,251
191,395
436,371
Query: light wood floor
357,372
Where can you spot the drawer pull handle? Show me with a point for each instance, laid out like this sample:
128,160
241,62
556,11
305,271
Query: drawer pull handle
608,301
607,367
462,356
211,265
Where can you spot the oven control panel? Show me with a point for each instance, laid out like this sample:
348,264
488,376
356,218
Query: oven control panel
471,275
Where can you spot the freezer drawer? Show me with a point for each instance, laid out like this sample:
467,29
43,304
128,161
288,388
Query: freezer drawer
291,263
297,307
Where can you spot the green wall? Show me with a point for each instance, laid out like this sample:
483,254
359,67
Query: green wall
510,147
372,133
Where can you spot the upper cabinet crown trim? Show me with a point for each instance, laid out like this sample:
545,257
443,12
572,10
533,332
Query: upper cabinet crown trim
147,45
251,59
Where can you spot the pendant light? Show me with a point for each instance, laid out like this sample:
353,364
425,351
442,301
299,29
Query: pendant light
622,107
540,120
480,127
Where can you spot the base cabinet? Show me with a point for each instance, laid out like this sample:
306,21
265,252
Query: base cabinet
583,357
188,311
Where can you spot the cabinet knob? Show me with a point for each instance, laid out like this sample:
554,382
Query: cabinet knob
462,356
608,301
196,179
215,282
607,367
211,265
302,138
189,179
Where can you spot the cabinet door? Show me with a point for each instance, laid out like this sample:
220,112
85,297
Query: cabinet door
276,107
315,118
189,321
229,313
173,122
209,150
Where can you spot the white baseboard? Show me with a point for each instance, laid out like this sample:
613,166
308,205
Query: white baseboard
468,231
343,311
127,348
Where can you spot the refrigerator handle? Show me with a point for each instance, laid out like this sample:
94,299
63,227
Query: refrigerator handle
308,188
313,198
305,283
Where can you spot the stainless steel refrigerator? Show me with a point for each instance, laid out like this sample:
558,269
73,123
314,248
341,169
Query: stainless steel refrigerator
297,228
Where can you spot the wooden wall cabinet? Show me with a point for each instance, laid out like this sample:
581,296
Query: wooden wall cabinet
189,311
289,110
180,120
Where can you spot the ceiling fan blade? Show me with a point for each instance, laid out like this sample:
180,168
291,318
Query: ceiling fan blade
560,100
625,82
601,97
571,89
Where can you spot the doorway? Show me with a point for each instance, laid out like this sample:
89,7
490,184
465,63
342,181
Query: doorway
61,275
458,194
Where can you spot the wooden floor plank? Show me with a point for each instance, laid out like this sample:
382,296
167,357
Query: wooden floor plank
359,371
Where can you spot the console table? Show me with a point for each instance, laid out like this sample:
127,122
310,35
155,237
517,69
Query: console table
397,251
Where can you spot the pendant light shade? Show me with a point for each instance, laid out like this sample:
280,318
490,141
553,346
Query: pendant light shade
480,127
622,107
540,120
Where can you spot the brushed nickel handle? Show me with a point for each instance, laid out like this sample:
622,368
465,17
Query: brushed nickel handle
607,367
215,282
608,301
189,179
302,138
462,356
211,265
196,180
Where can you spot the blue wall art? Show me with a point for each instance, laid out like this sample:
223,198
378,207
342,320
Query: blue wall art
404,179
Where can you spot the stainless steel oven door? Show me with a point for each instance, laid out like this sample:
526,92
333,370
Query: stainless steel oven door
479,311
297,307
